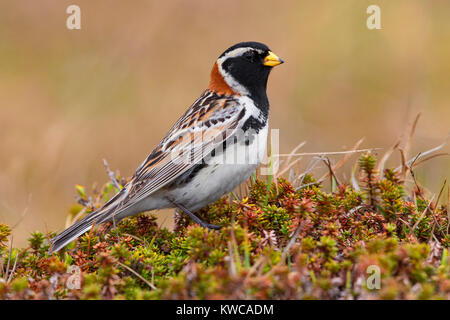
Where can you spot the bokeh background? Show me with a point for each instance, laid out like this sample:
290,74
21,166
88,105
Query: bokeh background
69,98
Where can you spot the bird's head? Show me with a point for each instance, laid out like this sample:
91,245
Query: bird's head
243,69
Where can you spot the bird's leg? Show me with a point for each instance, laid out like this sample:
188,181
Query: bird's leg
197,219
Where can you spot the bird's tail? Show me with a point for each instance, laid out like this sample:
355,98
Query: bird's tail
97,217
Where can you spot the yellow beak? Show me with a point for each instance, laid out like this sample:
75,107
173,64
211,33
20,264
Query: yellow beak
271,60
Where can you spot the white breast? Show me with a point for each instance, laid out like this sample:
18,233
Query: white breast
223,173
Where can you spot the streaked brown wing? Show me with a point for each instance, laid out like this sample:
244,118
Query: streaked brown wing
209,122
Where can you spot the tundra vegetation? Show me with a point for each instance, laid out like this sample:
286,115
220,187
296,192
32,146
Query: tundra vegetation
380,235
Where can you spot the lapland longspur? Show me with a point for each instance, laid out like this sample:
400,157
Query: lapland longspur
211,149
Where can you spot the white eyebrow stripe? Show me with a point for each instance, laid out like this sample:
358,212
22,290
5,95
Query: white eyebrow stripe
239,52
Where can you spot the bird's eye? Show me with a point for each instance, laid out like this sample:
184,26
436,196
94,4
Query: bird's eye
250,56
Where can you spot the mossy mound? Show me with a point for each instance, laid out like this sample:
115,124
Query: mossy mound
279,242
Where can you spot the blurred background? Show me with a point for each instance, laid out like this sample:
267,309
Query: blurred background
69,98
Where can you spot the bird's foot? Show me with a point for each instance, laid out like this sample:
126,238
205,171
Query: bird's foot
197,219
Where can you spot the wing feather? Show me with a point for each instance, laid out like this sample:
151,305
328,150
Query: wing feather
204,127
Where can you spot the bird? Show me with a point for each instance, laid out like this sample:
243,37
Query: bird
215,145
